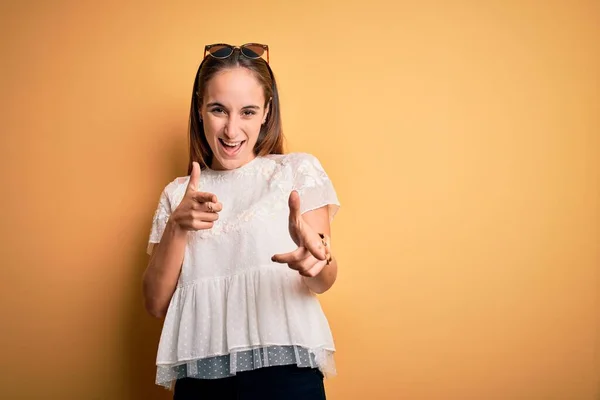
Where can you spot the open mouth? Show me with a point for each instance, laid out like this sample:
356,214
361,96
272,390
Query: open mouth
231,148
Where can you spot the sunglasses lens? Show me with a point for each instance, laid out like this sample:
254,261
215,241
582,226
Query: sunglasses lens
220,51
253,50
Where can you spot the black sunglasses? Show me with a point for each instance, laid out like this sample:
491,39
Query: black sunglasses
249,50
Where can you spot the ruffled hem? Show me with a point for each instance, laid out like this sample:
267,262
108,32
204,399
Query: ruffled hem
246,360
264,306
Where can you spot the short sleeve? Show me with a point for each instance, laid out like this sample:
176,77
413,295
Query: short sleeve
313,185
159,221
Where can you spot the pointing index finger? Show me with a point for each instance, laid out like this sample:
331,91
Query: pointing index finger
204,197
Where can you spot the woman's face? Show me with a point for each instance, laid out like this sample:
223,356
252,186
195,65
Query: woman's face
232,113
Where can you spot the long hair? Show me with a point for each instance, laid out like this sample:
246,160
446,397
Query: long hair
270,138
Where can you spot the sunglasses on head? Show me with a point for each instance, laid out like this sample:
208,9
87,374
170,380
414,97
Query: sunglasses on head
249,50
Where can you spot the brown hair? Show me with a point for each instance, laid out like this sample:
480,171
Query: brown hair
270,138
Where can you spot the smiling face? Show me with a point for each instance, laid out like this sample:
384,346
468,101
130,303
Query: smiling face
233,110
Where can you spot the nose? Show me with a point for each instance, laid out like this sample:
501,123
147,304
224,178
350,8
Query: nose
231,127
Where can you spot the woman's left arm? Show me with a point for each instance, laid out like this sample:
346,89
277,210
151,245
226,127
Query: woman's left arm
313,259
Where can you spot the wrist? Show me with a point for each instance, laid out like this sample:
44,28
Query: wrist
175,229
323,281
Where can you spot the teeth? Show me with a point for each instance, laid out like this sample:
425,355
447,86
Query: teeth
231,144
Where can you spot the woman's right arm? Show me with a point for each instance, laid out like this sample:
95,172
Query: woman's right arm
197,211
164,267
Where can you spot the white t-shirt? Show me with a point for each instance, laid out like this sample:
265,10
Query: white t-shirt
234,309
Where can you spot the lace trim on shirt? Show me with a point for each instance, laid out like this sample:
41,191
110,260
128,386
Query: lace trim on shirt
228,365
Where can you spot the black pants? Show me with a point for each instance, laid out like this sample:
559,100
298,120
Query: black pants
269,383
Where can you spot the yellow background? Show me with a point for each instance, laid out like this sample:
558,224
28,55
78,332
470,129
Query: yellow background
462,138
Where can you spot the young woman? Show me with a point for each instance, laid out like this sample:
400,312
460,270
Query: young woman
241,247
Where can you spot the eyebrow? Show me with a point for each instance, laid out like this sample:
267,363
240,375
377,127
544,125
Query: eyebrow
214,103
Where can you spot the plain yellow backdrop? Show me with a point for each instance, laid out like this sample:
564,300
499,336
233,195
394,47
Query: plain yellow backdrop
462,138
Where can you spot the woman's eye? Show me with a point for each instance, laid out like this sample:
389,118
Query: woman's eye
217,110
249,112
